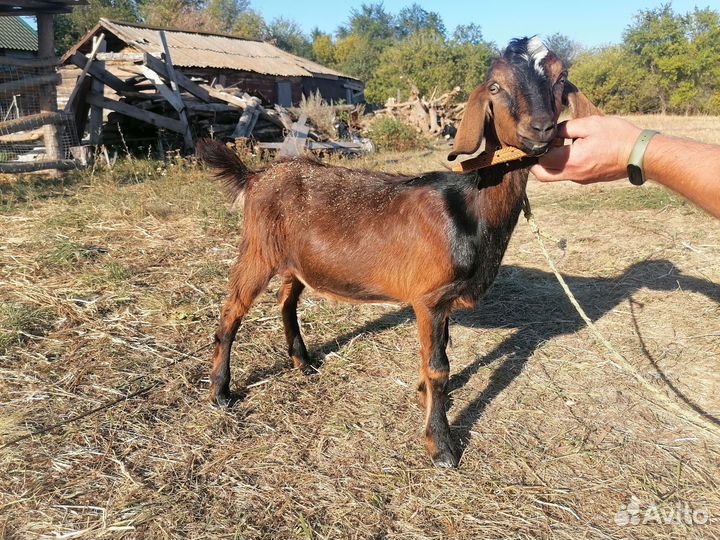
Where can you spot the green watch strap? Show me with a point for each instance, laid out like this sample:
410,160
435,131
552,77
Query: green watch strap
635,171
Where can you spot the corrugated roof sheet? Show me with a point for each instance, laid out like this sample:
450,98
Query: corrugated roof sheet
17,35
189,49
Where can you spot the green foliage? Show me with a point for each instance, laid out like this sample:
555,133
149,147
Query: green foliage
289,36
392,134
71,27
429,62
614,79
224,14
250,25
667,63
566,49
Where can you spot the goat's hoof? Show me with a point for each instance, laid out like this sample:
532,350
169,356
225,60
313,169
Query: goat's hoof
221,398
445,460
304,365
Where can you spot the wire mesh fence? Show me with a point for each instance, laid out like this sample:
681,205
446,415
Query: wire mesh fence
32,133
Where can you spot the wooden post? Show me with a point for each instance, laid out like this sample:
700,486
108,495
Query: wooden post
98,88
189,144
48,96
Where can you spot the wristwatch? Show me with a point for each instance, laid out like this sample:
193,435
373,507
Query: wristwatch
635,171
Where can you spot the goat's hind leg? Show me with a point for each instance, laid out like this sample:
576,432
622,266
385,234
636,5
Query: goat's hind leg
248,279
288,297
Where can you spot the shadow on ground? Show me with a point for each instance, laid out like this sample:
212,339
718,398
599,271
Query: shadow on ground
533,302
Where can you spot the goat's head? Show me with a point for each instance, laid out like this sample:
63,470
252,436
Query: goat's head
520,101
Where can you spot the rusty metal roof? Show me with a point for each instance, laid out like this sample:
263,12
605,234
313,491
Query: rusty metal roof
194,49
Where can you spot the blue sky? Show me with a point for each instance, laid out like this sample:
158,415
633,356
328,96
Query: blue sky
591,23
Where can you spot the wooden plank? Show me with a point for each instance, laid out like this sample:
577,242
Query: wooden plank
70,105
30,82
120,57
156,120
158,66
225,96
187,136
165,92
14,167
25,136
28,62
96,113
99,72
294,143
212,107
30,122
247,119
48,97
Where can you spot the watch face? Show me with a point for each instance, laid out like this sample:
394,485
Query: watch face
635,175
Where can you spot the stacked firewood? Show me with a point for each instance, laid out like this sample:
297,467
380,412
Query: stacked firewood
432,116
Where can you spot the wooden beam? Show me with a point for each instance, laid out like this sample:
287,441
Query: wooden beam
168,94
30,82
28,62
247,120
97,87
32,121
294,143
99,72
187,136
120,57
14,167
156,120
70,105
48,98
158,66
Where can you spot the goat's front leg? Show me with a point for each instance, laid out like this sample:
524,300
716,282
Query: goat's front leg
434,372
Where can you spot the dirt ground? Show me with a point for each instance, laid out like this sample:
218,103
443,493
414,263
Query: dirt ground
110,284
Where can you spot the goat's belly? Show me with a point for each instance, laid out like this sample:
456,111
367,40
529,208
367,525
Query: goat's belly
342,291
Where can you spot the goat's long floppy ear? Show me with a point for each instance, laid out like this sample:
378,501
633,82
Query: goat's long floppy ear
578,102
470,133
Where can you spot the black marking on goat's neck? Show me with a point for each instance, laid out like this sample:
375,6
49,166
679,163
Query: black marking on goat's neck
483,218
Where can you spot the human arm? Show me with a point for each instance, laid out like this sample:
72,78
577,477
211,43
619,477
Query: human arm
601,149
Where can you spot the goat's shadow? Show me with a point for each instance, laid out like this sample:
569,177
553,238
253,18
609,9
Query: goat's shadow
532,302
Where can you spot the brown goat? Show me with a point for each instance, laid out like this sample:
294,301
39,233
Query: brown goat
434,241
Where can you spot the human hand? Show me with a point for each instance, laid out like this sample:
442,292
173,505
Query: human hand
599,153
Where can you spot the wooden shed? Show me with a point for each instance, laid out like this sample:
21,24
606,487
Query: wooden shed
255,67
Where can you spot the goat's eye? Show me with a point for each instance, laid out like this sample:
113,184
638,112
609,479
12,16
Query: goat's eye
494,88
561,79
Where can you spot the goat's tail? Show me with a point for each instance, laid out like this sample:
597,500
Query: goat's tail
227,164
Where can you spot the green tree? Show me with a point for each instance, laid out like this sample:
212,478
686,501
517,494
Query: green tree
468,34
428,61
71,27
615,80
323,49
250,25
414,18
566,49
224,14
288,36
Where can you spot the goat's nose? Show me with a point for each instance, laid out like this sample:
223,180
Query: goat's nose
543,127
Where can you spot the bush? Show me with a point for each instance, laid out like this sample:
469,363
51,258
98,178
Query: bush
392,134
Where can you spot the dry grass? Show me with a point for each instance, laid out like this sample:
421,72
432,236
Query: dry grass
110,287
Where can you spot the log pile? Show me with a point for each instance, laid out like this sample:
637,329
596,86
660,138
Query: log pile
432,116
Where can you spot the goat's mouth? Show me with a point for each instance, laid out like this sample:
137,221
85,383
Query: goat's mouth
534,148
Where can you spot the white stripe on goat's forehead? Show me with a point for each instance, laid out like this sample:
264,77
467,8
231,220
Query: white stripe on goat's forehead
536,51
